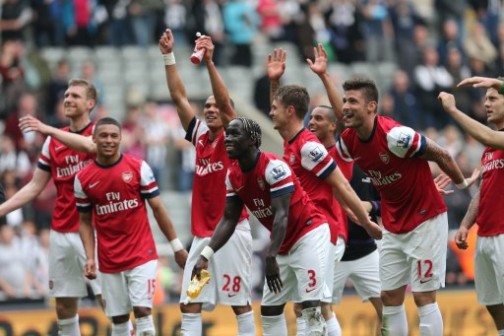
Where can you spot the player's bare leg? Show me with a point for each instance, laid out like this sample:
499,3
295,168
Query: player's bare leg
497,313
245,319
68,320
120,325
144,321
431,321
378,306
394,321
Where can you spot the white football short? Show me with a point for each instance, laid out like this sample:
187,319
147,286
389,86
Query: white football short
335,253
302,270
417,257
489,270
66,266
131,288
364,274
230,270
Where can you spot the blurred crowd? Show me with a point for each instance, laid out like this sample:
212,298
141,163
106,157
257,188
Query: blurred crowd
433,44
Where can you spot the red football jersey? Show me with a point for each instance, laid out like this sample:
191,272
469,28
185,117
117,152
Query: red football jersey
390,158
311,163
271,177
209,187
490,217
116,196
64,163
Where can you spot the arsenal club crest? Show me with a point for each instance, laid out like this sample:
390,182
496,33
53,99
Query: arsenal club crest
384,157
127,176
292,158
260,182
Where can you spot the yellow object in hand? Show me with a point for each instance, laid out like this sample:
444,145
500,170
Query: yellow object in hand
195,286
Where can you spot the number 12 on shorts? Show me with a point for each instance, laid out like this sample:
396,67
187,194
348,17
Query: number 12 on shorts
424,269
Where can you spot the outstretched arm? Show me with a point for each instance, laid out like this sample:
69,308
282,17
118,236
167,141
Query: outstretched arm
74,141
482,82
219,89
221,235
28,193
166,226
175,85
275,70
349,199
319,67
480,132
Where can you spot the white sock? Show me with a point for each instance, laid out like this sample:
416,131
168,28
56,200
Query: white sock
333,326
191,325
246,325
315,323
500,332
431,321
121,329
274,325
394,322
69,327
145,326
301,326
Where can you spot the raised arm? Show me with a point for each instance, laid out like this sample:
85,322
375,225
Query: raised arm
482,82
221,235
275,69
219,89
166,226
319,67
72,140
175,85
477,130
28,193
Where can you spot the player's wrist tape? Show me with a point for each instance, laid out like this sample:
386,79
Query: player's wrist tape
207,252
176,245
462,185
169,59
501,90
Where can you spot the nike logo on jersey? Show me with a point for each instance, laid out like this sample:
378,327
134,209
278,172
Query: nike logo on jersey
366,180
91,186
201,142
239,188
57,148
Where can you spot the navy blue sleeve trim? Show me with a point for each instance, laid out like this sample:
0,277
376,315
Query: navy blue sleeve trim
85,209
150,195
232,199
376,211
283,191
43,167
190,128
423,147
328,171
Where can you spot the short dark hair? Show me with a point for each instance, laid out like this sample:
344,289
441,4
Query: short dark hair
91,91
253,130
296,96
330,114
365,84
107,121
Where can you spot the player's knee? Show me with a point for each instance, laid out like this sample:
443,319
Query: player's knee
424,298
239,310
142,311
272,310
191,308
297,309
394,297
120,319
66,307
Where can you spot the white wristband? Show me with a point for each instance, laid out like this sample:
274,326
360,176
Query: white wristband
462,185
169,59
176,245
207,252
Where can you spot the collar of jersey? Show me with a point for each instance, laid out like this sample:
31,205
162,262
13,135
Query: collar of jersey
372,132
110,165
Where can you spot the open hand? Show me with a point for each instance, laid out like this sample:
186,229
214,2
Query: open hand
320,65
276,64
481,82
273,275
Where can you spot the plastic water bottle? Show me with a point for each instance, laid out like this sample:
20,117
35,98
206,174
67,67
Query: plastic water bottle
198,54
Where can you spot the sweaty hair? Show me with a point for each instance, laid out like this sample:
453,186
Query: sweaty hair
366,85
296,96
91,92
107,121
252,129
